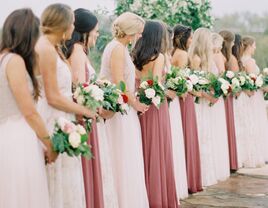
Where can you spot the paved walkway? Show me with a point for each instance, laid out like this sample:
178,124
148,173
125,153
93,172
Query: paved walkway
246,189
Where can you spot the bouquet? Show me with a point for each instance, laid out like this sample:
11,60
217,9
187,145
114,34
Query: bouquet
151,92
89,95
233,80
114,98
70,138
177,82
265,81
247,82
220,86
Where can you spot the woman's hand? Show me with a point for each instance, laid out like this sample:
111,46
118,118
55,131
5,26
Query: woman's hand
106,114
89,114
50,154
171,94
140,107
184,96
249,93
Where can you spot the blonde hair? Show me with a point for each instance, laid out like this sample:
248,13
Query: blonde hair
217,41
127,24
247,41
202,47
56,18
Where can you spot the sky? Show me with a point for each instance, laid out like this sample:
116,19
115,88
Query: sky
219,7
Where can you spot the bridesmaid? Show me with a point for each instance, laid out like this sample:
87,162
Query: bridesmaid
221,152
155,123
65,177
256,153
175,122
200,48
181,42
85,34
124,130
228,42
23,132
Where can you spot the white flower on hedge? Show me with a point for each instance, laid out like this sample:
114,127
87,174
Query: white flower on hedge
242,80
125,107
96,92
189,85
156,100
194,79
150,93
259,81
74,139
143,85
77,92
230,74
203,81
80,99
265,71
80,129
120,100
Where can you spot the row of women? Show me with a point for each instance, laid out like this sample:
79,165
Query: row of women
148,159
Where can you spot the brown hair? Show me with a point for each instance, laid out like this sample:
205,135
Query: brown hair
228,40
181,36
237,50
19,35
56,18
247,41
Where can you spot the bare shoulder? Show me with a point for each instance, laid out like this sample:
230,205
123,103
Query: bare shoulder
180,54
118,51
44,48
16,62
160,58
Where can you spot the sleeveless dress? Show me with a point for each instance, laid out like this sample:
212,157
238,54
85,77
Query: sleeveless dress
92,168
125,141
65,177
178,149
23,175
220,137
158,156
192,153
255,143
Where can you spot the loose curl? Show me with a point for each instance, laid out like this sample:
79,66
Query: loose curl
181,36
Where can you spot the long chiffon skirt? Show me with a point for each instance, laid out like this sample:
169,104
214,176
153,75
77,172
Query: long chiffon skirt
229,110
23,180
178,149
92,173
192,154
158,160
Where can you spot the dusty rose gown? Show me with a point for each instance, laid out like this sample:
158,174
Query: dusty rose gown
158,159
192,153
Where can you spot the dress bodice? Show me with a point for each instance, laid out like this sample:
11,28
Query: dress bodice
8,105
129,68
245,59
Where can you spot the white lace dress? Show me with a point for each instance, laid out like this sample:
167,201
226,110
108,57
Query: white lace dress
65,178
125,142
23,181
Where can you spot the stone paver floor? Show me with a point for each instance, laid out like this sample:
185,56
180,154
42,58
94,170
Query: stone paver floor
246,189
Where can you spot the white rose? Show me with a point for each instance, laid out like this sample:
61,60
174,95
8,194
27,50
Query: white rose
235,82
150,93
156,101
224,87
77,92
120,100
203,81
97,93
143,85
80,99
62,122
189,85
242,80
265,71
194,79
80,129
222,80
230,74
125,107
259,81
74,139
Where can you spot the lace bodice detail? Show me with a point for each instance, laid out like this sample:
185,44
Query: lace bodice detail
64,79
129,68
8,105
